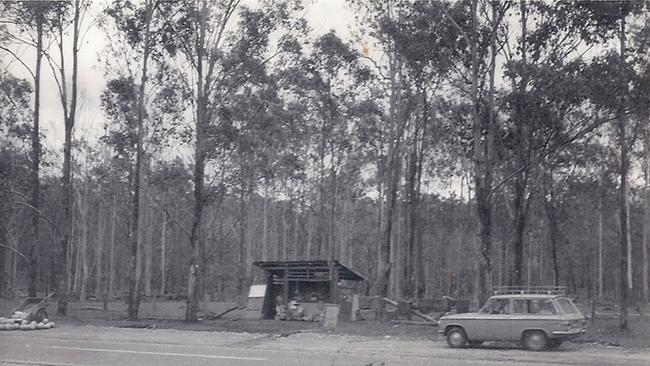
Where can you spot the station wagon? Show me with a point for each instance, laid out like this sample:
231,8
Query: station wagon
539,318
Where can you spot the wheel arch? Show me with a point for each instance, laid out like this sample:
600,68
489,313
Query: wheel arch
454,325
527,330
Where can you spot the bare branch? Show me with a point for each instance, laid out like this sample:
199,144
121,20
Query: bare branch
15,251
17,58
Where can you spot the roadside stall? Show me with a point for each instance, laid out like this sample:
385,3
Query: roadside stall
301,290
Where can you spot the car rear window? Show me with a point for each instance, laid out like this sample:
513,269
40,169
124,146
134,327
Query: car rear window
567,306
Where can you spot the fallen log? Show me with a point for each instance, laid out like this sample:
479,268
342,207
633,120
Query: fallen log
414,322
413,311
424,316
212,317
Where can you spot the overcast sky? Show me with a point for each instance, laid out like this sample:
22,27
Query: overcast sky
322,16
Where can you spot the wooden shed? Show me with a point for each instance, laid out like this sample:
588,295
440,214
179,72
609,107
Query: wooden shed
307,282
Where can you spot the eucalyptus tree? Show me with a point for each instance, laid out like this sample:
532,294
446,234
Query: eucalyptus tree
327,87
144,100
544,112
137,27
459,55
15,130
69,22
29,24
222,45
619,89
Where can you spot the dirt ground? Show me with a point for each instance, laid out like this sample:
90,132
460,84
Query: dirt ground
168,315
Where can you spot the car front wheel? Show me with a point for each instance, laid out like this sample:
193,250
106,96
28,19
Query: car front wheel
456,337
535,340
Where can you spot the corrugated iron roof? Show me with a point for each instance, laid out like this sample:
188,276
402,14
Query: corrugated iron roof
311,269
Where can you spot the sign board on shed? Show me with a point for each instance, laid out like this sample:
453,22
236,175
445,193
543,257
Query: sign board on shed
257,291
255,302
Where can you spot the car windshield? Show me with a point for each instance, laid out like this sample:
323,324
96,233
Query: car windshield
567,306
496,306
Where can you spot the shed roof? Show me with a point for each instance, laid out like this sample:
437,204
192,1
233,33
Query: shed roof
309,270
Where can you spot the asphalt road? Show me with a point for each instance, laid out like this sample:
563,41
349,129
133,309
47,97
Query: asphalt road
87,345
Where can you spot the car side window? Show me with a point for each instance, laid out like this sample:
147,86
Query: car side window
542,306
520,306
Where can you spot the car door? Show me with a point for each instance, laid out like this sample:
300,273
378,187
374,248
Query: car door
492,321
533,313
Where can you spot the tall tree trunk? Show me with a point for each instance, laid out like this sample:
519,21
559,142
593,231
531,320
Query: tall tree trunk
600,242
521,201
265,222
419,283
69,118
243,226
148,252
410,218
199,167
111,251
385,268
284,240
99,251
310,235
83,242
484,132
333,206
624,201
390,171
296,223
552,215
163,255
76,241
32,253
646,218
137,208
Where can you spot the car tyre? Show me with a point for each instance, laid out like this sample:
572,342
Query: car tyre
456,337
535,340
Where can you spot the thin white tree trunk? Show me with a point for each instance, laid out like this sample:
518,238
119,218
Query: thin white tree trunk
83,244
600,247
310,225
111,259
296,245
265,224
99,252
148,248
163,253
646,221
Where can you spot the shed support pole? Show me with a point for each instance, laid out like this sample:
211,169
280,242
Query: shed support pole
285,288
334,280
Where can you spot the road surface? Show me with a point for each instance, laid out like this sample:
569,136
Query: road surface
106,346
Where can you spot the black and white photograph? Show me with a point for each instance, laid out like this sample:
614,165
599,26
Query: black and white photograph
324,182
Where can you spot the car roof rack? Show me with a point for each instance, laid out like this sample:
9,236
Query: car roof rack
530,290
